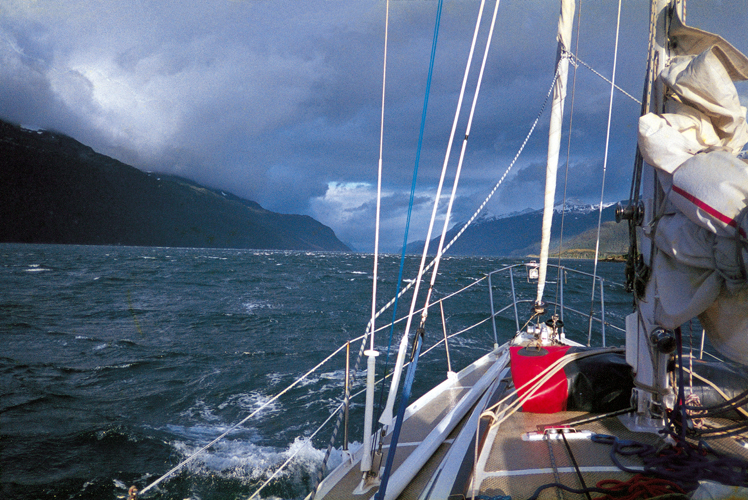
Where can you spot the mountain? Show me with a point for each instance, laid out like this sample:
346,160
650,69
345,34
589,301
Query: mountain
57,190
518,234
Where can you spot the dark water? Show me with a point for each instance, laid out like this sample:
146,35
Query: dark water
117,363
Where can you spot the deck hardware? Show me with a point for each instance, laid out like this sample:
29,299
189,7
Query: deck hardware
663,340
539,308
556,433
632,212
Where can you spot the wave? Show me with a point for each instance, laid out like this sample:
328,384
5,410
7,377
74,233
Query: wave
248,462
252,305
35,268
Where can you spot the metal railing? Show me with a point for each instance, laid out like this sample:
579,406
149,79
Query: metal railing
558,302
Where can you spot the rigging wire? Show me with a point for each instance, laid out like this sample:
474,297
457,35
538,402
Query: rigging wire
413,188
480,207
386,418
605,168
371,354
293,455
575,60
379,179
460,162
506,172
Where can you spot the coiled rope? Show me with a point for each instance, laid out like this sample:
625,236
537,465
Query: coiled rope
635,488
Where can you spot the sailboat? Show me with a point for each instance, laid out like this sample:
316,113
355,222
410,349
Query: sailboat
543,415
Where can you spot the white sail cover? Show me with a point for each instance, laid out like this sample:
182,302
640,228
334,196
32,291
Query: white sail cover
700,231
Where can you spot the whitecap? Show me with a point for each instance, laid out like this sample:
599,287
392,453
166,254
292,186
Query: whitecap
252,305
243,460
35,268
252,401
119,484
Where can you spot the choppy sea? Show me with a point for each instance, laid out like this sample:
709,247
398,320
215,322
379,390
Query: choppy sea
118,362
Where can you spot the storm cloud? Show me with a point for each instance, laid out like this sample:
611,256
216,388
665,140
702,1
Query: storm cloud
279,101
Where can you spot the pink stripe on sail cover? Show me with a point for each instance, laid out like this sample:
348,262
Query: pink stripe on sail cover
709,209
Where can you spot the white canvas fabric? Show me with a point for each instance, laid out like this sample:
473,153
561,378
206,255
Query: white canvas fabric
565,24
700,234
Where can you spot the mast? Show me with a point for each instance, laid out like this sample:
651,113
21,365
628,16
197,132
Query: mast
565,22
648,346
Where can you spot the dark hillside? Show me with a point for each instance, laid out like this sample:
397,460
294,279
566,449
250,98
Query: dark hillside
57,190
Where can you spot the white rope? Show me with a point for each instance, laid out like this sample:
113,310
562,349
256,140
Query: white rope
476,213
605,168
386,417
379,178
359,393
456,181
258,410
575,60
506,172
371,353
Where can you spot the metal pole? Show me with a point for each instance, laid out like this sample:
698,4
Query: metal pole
444,327
602,309
493,314
514,302
347,393
562,278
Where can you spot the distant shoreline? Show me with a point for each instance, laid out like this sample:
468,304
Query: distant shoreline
586,255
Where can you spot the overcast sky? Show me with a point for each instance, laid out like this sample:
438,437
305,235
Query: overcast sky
278,101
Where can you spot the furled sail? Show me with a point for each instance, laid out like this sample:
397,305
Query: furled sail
565,23
700,228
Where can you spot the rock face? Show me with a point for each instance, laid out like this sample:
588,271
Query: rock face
54,189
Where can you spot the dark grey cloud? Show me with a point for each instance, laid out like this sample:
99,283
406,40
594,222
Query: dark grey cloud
279,100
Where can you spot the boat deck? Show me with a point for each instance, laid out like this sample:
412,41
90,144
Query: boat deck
418,425
516,457
517,468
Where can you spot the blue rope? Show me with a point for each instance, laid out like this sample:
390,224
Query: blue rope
410,375
412,193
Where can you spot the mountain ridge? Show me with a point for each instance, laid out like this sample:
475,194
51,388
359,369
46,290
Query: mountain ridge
57,190
519,235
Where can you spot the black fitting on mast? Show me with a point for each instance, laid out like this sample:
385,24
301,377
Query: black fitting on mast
539,308
633,212
420,332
